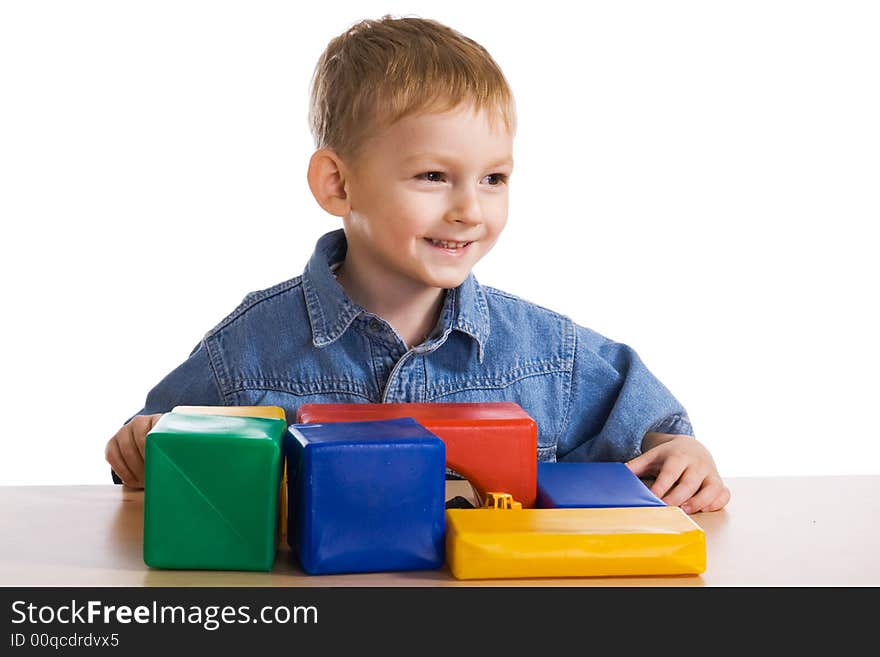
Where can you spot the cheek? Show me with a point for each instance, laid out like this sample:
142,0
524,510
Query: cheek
413,212
497,216
371,196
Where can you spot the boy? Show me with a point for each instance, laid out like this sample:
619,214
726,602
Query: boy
414,127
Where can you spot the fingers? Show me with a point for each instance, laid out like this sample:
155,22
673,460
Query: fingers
687,474
137,432
125,451
127,439
644,464
665,461
702,499
719,502
711,495
690,488
709,491
114,457
686,487
140,426
669,474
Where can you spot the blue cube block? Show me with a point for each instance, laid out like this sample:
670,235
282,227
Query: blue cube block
597,484
366,496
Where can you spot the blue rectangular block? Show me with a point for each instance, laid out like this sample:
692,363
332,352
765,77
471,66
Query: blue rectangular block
366,496
562,485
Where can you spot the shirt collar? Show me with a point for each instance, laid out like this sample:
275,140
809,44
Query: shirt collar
331,312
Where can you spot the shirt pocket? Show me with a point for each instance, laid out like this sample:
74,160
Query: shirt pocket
542,394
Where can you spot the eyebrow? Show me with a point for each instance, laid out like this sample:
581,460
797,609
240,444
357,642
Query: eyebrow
442,158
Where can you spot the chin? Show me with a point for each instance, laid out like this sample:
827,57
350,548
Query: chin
446,282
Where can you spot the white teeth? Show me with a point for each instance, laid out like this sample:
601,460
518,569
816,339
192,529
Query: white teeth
448,245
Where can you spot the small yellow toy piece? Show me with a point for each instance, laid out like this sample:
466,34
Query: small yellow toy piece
500,501
572,542
271,412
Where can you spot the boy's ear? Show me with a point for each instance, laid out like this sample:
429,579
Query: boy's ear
327,182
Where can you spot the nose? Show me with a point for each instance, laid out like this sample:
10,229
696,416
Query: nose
465,208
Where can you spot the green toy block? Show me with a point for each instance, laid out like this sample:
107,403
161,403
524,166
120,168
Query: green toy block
211,492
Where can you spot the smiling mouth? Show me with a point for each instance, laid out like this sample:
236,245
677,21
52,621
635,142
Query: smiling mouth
443,244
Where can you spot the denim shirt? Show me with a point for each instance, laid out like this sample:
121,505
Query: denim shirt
304,341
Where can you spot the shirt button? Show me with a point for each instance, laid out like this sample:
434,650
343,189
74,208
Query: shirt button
375,325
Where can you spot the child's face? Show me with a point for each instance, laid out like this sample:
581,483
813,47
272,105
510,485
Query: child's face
428,198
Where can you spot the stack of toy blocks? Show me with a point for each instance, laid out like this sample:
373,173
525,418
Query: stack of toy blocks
594,519
364,491
211,491
366,496
492,444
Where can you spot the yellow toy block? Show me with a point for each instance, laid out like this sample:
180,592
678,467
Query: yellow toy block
488,543
271,412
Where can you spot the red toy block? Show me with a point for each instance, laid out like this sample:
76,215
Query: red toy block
493,444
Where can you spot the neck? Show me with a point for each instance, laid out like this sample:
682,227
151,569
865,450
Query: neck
411,309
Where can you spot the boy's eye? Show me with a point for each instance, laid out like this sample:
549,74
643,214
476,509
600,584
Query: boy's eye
429,176
500,179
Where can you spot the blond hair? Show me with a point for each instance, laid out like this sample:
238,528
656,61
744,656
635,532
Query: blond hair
379,71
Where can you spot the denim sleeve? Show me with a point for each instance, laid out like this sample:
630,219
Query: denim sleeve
192,383
615,400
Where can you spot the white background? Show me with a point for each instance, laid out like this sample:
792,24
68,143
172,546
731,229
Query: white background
700,180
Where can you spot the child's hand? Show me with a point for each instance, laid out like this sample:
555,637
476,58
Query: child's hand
685,474
125,450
